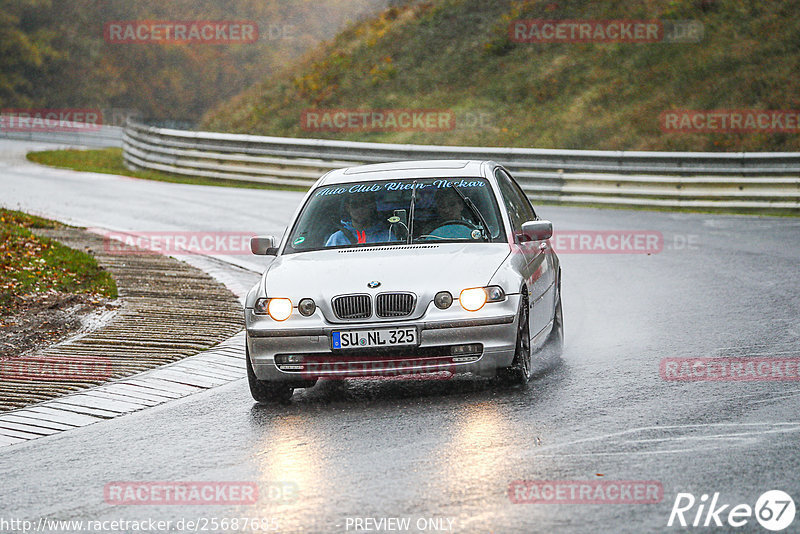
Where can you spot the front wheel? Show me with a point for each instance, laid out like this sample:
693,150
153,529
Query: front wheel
263,391
520,371
557,335
549,356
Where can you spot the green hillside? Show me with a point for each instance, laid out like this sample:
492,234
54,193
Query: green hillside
456,55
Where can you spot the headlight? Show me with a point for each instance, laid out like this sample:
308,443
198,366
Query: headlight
260,307
307,307
472,299
443,300
278,309
495,294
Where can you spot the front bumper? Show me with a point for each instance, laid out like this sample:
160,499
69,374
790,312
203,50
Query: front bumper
491,330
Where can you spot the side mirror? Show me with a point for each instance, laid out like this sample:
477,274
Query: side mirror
538,230
263,245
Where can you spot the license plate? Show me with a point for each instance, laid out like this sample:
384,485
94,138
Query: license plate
382,337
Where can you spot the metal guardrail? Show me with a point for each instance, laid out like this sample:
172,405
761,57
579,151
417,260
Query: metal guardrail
763,182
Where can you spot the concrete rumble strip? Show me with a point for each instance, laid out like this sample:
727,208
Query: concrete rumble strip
214,367
170,311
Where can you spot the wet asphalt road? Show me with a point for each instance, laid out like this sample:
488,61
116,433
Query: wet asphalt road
449,449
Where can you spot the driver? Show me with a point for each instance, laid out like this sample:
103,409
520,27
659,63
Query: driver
364,225
449,205
449,221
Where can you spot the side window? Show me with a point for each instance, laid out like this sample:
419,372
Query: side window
517,204
525,204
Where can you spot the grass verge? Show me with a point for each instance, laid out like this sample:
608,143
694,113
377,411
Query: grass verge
30,264
109,161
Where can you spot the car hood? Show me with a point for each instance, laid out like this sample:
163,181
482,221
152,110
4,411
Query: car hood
420,269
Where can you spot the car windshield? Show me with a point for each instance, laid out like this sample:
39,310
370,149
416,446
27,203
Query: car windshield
380,212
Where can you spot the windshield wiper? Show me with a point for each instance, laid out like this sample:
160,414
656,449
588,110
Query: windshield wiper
411,207
475,211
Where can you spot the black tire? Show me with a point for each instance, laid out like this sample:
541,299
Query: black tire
557,334
263,391
520,371
549,356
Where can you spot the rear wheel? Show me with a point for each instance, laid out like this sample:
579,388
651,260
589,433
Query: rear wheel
263,391
520,370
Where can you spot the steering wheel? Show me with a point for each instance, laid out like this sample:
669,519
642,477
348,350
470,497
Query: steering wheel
454,222
462,222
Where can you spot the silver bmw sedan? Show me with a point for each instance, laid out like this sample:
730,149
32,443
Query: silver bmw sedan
411,270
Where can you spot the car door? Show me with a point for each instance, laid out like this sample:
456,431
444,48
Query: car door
536,265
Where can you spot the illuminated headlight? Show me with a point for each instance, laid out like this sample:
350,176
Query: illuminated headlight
278,309
307,307
474,298
443,300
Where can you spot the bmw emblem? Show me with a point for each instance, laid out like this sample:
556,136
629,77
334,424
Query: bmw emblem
373,284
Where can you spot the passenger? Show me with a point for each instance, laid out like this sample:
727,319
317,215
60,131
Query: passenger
363,226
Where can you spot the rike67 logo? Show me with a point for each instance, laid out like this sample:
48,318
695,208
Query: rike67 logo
774,510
